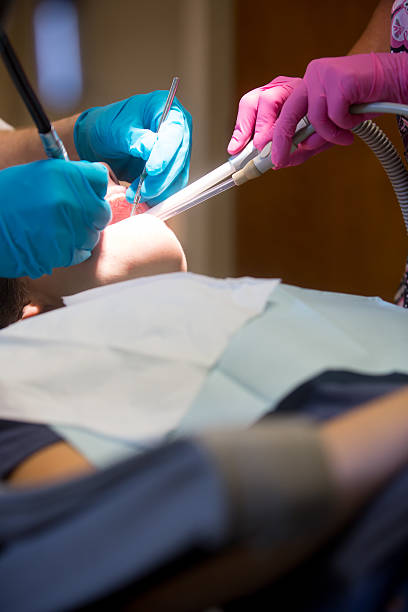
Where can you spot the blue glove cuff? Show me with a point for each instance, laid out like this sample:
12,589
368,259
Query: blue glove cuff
82,137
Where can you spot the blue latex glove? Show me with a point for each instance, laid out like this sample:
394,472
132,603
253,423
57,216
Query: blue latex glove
51,215
123,135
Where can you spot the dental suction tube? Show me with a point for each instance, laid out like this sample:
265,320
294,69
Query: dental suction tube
197,192
250,164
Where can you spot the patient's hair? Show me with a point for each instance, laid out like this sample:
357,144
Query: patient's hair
13,297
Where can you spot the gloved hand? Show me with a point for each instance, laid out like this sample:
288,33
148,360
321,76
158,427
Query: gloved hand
123,134
258,112
328,89
51,215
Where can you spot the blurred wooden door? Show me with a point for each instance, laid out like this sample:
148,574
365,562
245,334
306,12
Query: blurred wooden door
332,223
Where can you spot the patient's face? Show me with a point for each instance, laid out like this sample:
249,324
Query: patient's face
129,247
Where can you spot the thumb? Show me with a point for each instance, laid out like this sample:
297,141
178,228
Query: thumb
98,210
141,143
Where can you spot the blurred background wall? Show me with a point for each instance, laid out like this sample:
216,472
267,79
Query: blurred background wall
330,224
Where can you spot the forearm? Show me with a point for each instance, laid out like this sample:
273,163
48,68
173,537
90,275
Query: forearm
365,447
23,146
328,471
362,450
54,463
376,36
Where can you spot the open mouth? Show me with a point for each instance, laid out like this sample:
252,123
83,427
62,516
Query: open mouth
121,208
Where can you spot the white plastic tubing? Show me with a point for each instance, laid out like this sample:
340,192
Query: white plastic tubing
368,131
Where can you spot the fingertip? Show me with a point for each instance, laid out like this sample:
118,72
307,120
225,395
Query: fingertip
276,164
149,194
97,175
130,193
155,165
279,153
235,145
233,150
280,158
103,216
142,143
231,147
80,255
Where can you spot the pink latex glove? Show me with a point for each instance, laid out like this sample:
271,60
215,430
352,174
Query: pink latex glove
326,92
257,113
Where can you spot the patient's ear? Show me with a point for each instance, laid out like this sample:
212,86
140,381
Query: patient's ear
14,294
32,309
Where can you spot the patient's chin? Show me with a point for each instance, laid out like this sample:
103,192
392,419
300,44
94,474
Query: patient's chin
118,256
132,247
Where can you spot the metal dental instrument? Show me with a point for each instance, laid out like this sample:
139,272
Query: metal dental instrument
53,145
167,106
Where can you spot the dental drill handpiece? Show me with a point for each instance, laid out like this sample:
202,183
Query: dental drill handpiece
53,145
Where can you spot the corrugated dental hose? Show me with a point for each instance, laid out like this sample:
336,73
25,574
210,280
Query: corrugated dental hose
390,160
369,132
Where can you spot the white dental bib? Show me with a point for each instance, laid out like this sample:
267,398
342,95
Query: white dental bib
300,334
124,361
